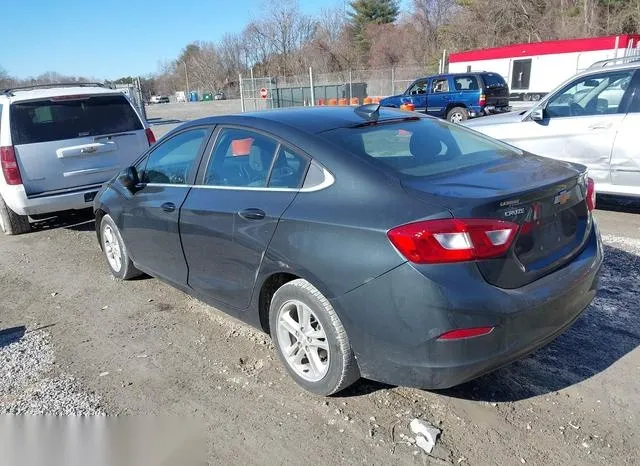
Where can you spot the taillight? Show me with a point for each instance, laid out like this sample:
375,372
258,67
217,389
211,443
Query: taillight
462,333
591,194
151,138
453,240
10,165
482,100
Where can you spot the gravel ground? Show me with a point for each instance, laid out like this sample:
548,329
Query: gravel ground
30,383
148,349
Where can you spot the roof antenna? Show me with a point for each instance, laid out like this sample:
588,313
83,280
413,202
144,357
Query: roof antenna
370,111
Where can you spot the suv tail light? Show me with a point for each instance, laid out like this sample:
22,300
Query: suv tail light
10,165
591,194
453,240
151,138
482,100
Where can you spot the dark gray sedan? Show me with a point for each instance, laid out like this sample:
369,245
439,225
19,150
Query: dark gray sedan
367,242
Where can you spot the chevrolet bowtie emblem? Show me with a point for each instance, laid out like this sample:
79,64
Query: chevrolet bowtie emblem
562,197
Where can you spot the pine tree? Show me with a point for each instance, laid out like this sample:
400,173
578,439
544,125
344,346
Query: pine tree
366,12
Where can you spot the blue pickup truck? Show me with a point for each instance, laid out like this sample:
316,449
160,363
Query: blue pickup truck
456,96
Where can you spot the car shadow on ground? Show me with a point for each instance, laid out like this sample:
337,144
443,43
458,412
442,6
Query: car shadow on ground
608,330
78,220
11,335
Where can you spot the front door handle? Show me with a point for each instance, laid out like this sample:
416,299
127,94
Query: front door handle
252,214
602,125
168,207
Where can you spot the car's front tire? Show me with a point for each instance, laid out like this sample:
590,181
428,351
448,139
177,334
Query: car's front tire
12,223
310,339
115,251
457,114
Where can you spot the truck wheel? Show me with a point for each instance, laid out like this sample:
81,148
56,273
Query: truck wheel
457,114
12,223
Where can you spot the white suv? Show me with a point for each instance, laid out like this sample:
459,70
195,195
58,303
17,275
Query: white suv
592,119
59,144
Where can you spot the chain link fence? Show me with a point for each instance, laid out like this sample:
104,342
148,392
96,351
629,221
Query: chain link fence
345,87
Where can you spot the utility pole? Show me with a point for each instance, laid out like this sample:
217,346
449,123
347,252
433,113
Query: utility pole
186,76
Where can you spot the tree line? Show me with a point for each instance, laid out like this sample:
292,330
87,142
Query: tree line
370,34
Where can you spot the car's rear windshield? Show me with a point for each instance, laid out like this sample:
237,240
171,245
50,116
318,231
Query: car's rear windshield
492,80
71,117
421,147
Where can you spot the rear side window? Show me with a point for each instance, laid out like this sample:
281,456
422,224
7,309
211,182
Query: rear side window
71,117
421,148
240,158
288,170
493,80
466,83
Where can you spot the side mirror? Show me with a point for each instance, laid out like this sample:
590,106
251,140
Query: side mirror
537,114
130,179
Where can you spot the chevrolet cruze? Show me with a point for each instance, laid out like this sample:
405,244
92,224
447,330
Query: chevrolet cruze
368,242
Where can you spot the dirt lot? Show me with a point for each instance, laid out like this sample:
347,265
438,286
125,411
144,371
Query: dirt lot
143,347
164,117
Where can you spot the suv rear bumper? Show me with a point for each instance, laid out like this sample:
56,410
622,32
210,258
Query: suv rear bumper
16,198
493,110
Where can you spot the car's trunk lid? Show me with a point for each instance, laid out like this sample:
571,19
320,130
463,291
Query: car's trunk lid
545,197
76,141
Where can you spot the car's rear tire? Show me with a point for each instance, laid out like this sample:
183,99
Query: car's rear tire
310,339
115,250
457,114
12,223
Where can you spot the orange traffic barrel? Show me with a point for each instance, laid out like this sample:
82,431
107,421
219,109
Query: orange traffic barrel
408,106
375,100
332,102
320,101
367,101
342,101
355,101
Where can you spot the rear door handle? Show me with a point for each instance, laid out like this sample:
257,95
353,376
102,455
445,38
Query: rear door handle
168,207
252,214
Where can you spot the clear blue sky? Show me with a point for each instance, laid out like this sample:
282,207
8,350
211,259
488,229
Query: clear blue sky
114,38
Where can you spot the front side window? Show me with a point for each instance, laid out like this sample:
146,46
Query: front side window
172,160
419,87
440,85
591,95
421,148
240,158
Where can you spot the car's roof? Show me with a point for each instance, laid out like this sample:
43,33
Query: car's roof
613,67
17,95
442,75
308,119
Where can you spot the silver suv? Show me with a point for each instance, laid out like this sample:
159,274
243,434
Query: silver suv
59,144
592,119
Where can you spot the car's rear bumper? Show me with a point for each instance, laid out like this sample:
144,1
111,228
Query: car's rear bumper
16,198
393,322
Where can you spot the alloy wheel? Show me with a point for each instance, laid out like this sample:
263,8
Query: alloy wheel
303,341
112,248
